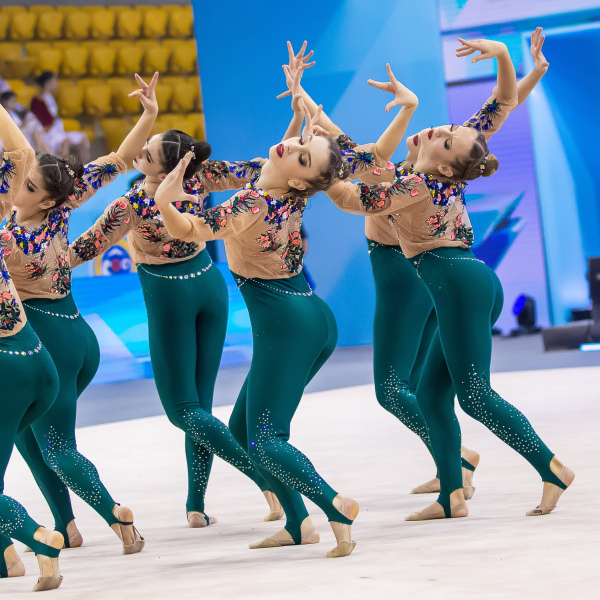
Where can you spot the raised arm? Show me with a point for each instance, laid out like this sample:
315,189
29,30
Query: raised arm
388,141
113,225
504,97
219,222
130,147
11,136
527,83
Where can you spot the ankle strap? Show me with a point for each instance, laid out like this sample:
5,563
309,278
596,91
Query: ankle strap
44,549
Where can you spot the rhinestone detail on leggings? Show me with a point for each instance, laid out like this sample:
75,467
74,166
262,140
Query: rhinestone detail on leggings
186,276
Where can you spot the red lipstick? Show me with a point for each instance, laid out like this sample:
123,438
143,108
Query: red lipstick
416,140
279,150
430,133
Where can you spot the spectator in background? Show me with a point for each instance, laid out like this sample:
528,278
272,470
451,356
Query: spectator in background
26,121
60,142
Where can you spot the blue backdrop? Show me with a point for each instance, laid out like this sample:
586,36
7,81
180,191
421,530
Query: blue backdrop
240,62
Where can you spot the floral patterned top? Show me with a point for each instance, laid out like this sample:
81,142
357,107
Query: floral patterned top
137,216
431,213
14,167
38,257
261,234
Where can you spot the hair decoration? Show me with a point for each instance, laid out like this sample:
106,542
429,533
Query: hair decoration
482,165
70,171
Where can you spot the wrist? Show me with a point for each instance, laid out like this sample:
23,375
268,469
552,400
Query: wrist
540,68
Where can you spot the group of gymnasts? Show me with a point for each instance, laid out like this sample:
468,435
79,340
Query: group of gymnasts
436,304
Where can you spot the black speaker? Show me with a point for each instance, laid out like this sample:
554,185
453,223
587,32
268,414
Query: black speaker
594,277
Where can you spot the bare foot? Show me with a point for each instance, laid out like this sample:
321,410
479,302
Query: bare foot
343,532
13,563
133,542
50,577
197,520
458,509
276,510
552,492
74,535
283,538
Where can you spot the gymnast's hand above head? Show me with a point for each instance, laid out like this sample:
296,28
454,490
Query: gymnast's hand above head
402,95
487,48
146,94
296,62
537,42
171,190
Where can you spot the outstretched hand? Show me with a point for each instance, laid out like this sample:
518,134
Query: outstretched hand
146,93
537,42
296,62
311,124
488,49
402,95
172,185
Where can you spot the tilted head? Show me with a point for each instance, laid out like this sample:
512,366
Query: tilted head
162,153
47,81
49,183
451,152
308,165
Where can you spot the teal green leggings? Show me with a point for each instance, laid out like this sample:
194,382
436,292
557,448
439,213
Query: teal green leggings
49,446
29,387
294,333
187,304
467,296
403,328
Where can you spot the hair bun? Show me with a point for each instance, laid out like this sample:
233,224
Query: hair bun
491,165
75,165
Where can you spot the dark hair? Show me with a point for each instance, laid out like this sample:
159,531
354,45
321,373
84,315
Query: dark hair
469,167
45,77
336,169
175,145
59,175
7,95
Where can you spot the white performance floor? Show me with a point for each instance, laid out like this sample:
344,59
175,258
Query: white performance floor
497,552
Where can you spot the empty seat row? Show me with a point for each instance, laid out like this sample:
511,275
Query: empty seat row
99,98
72,59
95,22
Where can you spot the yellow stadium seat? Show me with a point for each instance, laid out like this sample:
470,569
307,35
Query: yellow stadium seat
195,125
184,99
22,26
115,131
102,22
71,125
171,122
13,9
38,8
75,61
50,24
13,64
102,61
181,22
129,23
4,21
34,49
49,60
183,57
23,91
97,99
77,24
120,87
155,22
156,59
129,59
164,93
70,100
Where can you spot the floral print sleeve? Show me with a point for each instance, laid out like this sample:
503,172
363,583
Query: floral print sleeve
407,190
109,228
221,175
226,219
491,116
97,174
14,167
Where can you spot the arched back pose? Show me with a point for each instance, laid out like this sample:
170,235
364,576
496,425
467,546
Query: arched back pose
186,300
29,382
404,322
435,235
293,330
37,250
